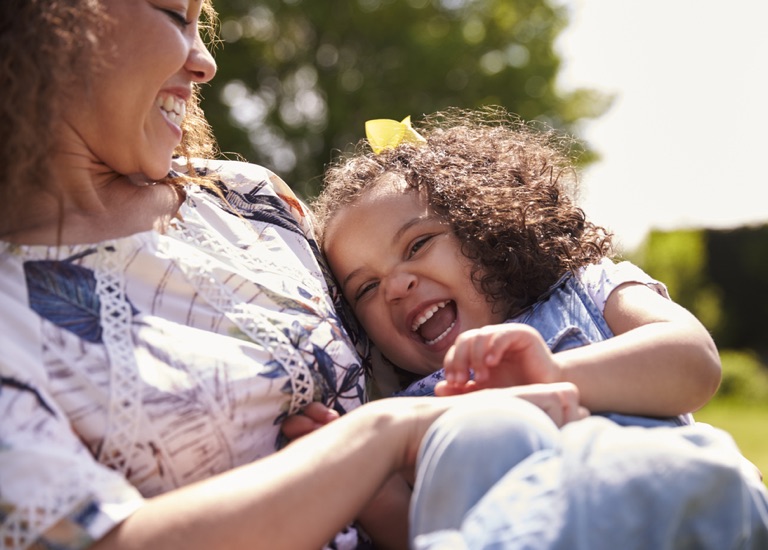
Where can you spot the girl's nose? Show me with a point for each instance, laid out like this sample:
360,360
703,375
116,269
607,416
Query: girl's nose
200,62
398,285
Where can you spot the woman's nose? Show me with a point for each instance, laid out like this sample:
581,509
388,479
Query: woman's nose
398,285
200,62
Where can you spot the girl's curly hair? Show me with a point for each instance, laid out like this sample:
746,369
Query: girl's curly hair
47,49
505,187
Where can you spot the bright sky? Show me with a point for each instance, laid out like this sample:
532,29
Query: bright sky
685,143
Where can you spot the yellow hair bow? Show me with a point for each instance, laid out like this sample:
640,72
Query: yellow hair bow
384,133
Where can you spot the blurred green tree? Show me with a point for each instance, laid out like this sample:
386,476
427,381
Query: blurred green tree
297,79
737,263
679,259
720,275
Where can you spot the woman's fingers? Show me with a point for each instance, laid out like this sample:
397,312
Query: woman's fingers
560,400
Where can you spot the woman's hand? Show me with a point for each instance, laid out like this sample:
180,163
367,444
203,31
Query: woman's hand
560,400
510,354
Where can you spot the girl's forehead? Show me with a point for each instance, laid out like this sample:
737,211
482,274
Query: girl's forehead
390,185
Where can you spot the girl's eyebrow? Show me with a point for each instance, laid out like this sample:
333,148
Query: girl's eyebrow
351,275
407,225
397,235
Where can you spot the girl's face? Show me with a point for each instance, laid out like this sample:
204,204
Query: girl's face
402,270
128,114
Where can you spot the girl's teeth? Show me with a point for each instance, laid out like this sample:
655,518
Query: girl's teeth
440,337
169,103
427,315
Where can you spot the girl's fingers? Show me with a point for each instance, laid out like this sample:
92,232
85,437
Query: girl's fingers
298,426
478,348
320,413
314,416
456,364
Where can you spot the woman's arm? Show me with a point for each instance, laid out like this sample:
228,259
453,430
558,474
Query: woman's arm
302,495
292,499
385,517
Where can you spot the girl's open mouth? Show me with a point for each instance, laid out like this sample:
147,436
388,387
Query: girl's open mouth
436,322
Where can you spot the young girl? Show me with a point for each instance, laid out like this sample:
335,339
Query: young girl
461,250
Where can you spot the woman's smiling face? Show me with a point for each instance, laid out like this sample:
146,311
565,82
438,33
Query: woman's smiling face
129,112
402,270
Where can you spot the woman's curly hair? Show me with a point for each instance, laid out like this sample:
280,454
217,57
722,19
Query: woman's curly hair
47,49
505,187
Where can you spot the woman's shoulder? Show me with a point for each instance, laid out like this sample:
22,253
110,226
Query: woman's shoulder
246,187
234,174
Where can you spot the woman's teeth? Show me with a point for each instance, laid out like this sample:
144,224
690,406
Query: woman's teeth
173,107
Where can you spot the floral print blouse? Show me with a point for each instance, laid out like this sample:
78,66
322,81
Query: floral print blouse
138,365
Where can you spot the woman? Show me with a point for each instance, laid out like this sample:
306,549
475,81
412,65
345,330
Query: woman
161,319
156,328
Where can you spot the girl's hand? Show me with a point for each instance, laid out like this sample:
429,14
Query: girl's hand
314,416
510,354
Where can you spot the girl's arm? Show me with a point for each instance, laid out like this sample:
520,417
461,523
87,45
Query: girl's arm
662,361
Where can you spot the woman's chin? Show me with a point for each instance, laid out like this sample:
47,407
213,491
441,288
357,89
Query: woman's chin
158,172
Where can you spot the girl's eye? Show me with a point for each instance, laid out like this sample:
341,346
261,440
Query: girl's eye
178,18
365,289
418,244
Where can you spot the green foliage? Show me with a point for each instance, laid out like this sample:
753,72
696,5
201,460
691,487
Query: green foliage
298,79
679,259
738,264
745,379
721,276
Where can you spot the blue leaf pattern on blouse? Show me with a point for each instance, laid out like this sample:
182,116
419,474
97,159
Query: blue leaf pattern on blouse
326,368
259,207
64,293
273,369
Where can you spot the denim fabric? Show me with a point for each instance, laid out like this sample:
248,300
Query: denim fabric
567,318
456,472
593,485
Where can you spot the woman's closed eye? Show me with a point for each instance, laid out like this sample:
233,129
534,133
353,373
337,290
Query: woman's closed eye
178,18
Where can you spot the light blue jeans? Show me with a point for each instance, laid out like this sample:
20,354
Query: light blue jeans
503,476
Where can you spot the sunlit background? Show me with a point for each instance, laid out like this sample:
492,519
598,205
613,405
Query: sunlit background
686,139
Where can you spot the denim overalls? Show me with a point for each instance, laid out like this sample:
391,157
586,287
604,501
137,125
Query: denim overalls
567,318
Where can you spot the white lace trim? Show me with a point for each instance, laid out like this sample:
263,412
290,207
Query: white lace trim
200,273
125,400
27,523
195,229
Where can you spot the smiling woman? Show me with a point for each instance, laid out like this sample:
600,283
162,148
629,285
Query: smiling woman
163,314
166,323
92,153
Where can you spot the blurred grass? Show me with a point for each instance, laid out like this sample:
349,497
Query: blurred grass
747,422
741,405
